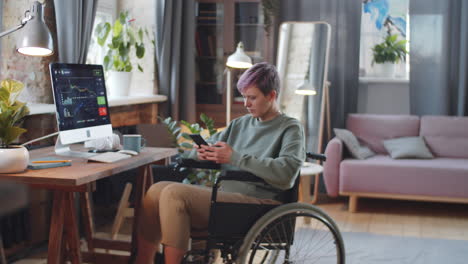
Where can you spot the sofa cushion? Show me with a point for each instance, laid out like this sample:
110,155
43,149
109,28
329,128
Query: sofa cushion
381,174
446,136
371,129
352,143
407,148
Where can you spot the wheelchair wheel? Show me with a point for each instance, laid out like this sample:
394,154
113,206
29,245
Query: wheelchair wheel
293,233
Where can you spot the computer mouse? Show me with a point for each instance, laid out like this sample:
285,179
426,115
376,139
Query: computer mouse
127,151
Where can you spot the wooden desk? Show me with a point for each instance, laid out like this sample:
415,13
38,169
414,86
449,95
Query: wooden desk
64,238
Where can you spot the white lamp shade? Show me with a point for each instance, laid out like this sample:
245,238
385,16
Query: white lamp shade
306,88
36,39
239,59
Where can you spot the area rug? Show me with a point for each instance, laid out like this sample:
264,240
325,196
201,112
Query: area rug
366,248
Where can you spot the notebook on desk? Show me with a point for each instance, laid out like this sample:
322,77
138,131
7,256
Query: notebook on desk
109,157
44,164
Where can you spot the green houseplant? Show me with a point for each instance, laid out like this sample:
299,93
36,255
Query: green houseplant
387,54
390,50
122,39
179,133
12,113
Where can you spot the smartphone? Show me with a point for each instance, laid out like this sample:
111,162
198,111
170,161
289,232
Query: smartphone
198,139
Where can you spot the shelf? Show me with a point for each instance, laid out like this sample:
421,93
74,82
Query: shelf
207,83
211,25
249,24
38,108
369,79
215,39
207,57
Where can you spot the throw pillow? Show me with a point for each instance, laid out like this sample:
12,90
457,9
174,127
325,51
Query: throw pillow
407,147
352,143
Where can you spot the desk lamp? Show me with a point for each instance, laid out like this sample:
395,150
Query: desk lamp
36,39
238,60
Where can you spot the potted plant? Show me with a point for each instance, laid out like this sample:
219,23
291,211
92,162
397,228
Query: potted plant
388,53
125,39
14,158
179,132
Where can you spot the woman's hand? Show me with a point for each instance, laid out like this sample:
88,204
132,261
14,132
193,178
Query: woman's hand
220,152
200,151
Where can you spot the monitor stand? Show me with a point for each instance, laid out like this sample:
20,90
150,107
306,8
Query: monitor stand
64,150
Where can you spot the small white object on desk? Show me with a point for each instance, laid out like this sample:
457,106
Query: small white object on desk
109,157
128,151
307,170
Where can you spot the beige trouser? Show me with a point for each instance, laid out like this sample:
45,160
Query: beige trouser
170,210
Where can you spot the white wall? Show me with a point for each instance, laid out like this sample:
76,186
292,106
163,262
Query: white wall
383,96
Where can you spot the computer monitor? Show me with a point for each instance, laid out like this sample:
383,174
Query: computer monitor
82,109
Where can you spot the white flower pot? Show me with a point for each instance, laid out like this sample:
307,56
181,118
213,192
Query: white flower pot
118,83
13,159
386,70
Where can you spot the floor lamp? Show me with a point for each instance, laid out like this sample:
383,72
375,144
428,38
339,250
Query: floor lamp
238,60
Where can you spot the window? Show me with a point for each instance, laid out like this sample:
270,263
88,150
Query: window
96,53
379,18
107,11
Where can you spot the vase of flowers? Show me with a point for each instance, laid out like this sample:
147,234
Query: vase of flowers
14,158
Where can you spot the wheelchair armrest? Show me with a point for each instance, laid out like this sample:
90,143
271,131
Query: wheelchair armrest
232,175
316,156
191,163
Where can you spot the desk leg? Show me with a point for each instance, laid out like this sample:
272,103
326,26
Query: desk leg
143,182
56,228
306,196
85,205
316,188
63,212
305,188
71,231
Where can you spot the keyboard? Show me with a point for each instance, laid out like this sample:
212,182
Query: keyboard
109,157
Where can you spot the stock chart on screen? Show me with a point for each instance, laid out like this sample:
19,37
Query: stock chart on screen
80,96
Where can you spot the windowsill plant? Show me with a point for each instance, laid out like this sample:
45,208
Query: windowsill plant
125,38
390,50
387,54
12,112
125,45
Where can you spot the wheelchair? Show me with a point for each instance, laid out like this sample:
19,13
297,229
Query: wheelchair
287,233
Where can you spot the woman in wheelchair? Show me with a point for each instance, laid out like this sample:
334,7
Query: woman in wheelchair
264,142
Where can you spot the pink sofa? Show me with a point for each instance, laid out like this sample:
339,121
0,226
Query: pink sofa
444,178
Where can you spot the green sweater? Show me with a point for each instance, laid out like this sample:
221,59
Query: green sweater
272,150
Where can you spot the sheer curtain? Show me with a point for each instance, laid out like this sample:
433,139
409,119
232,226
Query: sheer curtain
74,20
343,71
175,58
438,57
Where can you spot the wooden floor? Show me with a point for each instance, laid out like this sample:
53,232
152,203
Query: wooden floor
389,217
400,218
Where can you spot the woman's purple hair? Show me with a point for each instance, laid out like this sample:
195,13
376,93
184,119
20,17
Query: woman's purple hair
262,75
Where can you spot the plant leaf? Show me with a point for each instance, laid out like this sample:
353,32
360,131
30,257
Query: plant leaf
117,29
12,133
102,32
140,50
